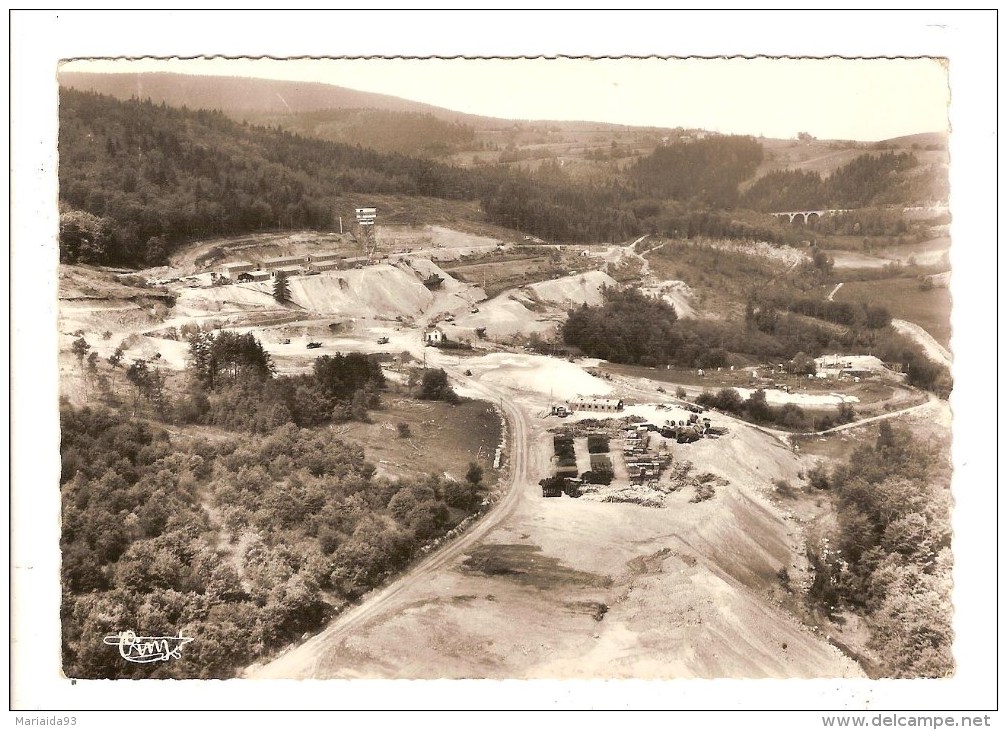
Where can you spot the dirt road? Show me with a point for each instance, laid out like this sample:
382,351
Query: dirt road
303,660
864,421
575,588
933,349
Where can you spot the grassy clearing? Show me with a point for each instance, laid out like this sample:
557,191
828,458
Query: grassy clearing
721,279
497,274
442,438
903,297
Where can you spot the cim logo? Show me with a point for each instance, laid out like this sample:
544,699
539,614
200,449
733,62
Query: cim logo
146,649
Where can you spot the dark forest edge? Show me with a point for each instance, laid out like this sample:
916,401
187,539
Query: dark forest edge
137,180
248,539
889,557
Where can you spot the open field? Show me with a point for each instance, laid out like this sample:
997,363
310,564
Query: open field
825,156
720,276
928,253
443,439
903,297
821,156
932,253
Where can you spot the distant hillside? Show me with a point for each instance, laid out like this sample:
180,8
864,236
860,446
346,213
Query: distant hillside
377,121
232,94
136,178
410,133
825,156
872,179
240,96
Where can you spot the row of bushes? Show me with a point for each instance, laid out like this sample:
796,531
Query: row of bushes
788,416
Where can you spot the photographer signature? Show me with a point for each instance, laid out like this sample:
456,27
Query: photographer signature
145,649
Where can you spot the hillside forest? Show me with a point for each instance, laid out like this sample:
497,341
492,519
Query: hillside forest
137,179
247,539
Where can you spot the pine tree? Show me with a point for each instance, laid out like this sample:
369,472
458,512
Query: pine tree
281,289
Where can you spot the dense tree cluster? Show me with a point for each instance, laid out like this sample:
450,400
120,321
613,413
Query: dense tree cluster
340,388
86,238
630,327
244,543
842,313
434,385
867,181
225,357
685,221
789,416
707,172
156,172
562,212
892,552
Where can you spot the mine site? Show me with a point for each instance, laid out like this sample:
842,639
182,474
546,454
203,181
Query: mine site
496,400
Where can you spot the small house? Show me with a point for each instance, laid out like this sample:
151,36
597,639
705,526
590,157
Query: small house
434,336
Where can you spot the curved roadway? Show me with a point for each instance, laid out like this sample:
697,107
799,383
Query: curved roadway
303,660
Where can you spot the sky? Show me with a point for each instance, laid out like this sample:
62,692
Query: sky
835,98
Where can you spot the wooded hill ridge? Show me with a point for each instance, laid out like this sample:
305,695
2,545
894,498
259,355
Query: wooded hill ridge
154,176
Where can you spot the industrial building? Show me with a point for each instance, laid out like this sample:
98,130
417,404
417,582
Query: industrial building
253,276
596,405
314,258
231,271
282,261
325,265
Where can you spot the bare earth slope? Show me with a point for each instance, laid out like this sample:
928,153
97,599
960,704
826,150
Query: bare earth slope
565,588
933,349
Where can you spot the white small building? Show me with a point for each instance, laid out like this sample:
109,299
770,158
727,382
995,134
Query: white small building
433,336
596,405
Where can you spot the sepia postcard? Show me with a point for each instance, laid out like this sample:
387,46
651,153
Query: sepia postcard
502,367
